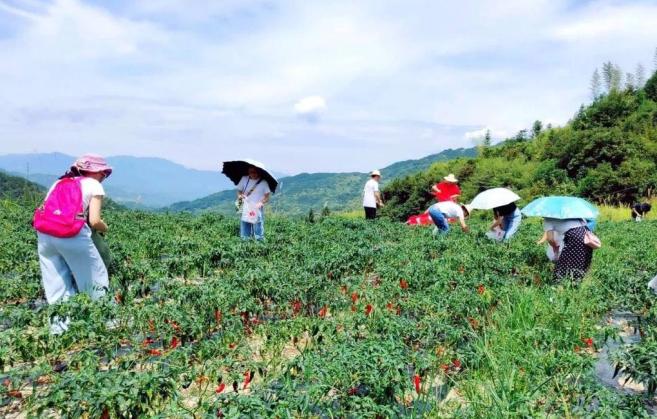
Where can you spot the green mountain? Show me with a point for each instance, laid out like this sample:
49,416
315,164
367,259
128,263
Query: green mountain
338,191
138,182
18,188
606,153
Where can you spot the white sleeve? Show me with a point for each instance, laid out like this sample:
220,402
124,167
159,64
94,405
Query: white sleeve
240,184
96,188
265,187
375,187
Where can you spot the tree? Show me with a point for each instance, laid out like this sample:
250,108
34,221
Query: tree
595,85
537,128
612,76
311,216
608,74
651,87
630,83
487,139
617,78
521,135
640,76
325,210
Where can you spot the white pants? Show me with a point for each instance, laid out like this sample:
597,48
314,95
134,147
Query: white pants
71,265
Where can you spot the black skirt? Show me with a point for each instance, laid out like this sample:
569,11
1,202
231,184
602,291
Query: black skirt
575,258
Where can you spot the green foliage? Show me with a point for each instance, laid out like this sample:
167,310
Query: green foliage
651,87
17,188
606,153
319,319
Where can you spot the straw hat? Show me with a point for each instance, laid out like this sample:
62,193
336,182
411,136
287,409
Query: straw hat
375,173
451,178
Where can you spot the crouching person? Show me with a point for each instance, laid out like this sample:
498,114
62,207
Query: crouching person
441,212
69,260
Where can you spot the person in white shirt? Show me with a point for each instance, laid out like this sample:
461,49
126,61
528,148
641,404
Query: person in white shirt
442,211
73,264
372,196
253,192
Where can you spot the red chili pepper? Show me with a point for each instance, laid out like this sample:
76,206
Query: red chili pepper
577,348
247,379
445,368
323,311
220,388
416,381
481,289
352,391
403,284
296,306
232,345
588,342
368,309
155,352
147,342
354,297
174,343
16,394
456,363
217,315
343,289
118,298
353,309
390,307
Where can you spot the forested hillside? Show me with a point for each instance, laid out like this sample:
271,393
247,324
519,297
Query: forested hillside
337,191
17,188
607,153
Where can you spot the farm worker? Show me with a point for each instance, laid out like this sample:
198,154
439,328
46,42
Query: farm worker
447,190
506,217
372,196
639,211
442,211
69,260
253,191
573,256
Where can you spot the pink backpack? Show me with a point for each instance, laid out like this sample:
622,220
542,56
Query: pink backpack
61,214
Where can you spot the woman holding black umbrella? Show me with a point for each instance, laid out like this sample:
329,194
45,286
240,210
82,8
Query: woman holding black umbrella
254,188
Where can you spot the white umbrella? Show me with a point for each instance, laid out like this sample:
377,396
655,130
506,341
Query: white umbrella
493,198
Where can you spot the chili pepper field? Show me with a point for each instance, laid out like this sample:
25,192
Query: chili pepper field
336,318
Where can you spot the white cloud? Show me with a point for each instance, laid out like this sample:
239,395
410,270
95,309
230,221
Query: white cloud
310,107
195,81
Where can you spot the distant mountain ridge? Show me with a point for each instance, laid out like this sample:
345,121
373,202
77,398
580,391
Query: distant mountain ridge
143,182
338,191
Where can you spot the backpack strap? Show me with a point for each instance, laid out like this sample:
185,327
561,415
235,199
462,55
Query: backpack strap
253,188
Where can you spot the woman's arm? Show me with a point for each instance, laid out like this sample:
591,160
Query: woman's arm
497,222
265,199
95,220
543,239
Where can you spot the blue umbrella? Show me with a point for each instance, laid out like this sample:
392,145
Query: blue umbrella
561,207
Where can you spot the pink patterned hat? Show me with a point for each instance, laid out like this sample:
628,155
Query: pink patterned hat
92,163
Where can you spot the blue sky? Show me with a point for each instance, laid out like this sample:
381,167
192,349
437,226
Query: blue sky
301,85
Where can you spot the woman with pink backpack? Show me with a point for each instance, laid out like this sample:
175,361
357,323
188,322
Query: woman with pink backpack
69,260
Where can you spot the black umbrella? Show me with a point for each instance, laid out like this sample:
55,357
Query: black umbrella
237,169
